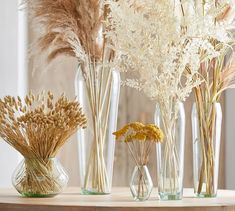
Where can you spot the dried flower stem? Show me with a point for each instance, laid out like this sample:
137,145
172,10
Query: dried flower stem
218,77
98,87
170,175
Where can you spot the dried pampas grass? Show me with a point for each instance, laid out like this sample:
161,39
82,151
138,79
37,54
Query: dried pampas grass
70,27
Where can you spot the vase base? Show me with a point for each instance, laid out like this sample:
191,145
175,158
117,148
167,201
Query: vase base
140,199
170,196
90,192
37,195
205,195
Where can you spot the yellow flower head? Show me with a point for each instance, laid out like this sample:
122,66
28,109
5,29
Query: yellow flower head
137,131
153,133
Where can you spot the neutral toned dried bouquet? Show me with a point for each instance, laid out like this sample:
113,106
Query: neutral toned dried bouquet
218,75
70,27
76,28
164,44
140,140
161,41
37,127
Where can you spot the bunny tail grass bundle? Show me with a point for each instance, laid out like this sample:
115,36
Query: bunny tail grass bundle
70,27
37,127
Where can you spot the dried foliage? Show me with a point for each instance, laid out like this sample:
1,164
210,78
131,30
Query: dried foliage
218,74
37,127
70,27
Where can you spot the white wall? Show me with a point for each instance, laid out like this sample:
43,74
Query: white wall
11,76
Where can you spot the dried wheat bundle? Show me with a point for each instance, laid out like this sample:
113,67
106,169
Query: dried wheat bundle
38,127
70,27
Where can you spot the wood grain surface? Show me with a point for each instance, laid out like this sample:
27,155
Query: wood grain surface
119,200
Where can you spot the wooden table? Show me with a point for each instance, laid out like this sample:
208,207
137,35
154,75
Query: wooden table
119,200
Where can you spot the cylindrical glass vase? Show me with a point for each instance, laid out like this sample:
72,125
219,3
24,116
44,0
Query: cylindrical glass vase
35,177
206,133
141,184
97,89
170,153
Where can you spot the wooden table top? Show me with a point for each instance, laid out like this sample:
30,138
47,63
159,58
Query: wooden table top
119,200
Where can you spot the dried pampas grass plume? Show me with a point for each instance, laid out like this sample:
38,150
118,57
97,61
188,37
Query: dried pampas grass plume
70,27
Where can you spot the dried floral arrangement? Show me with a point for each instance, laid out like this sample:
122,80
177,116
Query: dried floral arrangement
76,28
172,48
37,127
218,74
174,53
140,140
70,27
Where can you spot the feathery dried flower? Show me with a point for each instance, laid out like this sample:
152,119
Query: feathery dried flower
70,27
161,41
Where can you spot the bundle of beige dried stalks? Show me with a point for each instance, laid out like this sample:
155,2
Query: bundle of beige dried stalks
70,27
37,127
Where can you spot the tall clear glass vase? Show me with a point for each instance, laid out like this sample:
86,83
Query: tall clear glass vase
206,131
170,153
97,89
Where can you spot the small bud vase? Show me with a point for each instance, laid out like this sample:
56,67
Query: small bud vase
141,184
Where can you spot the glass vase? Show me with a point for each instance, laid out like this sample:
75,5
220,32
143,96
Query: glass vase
97,89
170,153
35,177
206,133
141,184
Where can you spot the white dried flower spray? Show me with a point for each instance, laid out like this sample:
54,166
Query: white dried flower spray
165,43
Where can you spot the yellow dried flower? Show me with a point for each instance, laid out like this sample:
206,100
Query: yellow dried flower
137,131
140,140
128,129
153,132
